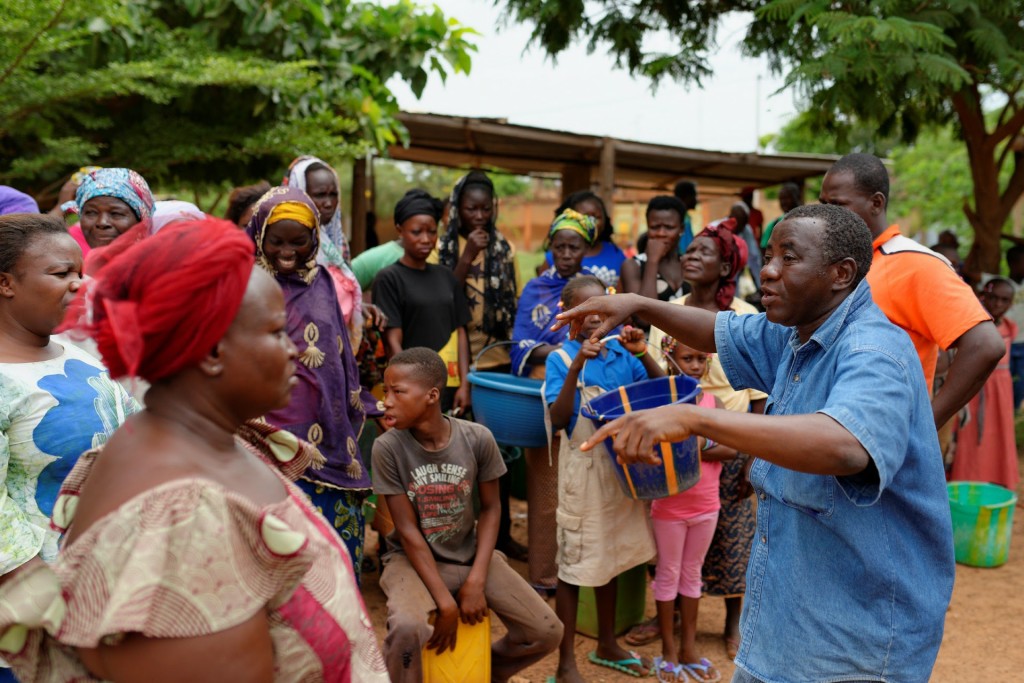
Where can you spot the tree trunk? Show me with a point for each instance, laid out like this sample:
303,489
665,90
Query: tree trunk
991,208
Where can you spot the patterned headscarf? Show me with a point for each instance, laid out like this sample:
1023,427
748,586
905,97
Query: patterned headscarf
119,183
499,274
296,177
279,204
579,223
729,251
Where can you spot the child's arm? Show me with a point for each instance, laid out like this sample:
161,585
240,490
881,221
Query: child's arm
635,341
462,399
472,603
561,409
422,560
393,340
651,365
717,452
388,298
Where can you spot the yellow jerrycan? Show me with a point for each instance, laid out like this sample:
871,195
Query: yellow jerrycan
469,662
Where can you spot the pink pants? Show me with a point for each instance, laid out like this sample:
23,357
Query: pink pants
682,545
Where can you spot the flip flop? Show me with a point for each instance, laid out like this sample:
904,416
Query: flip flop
644,633
699,671
675,672
623,665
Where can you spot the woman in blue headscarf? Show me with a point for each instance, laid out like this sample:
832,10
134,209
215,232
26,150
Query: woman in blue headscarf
109,201
568,240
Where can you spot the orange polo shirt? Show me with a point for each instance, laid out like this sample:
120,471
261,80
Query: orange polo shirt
919,291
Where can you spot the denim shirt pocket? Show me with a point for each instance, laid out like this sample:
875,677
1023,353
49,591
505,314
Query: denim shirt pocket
810,493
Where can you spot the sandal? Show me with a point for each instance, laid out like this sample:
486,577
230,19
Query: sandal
644,633
700,670
675,672
623,665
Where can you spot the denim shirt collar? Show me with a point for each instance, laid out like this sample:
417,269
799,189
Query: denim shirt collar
829,330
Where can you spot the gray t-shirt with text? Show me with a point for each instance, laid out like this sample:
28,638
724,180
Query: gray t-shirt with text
439,484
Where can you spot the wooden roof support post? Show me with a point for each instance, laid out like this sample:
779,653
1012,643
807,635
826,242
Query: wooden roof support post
606,174
575,178
360,206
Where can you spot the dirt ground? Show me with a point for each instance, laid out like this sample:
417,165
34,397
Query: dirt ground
984,625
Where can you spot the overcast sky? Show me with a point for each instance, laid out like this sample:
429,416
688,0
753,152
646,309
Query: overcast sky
584,93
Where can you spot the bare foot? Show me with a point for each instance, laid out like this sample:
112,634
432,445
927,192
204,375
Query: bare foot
569,674
732,645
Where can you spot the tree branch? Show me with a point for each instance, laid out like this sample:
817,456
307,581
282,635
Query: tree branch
1014,188
1011,127
1011,100
971,120
28,46
1007,148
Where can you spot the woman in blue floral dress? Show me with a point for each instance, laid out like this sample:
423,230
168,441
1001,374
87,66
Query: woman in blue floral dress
56,400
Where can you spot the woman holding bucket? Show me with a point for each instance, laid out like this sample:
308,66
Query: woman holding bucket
710,265
601,532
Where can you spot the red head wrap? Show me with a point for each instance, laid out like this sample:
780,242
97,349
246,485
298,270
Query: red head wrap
162,304
733,251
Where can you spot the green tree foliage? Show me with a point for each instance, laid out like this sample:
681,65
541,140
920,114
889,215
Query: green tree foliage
931,176
393,178
195,92
932,181
895,66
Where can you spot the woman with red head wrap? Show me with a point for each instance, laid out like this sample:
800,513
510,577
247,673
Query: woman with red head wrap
188,553
710,266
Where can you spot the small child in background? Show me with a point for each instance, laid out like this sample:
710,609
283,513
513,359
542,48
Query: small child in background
601,531
683,526
427,466
986,446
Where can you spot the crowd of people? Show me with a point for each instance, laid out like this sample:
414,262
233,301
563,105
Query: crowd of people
198,410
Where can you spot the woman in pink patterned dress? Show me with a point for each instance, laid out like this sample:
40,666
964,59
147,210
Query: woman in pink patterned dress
188,553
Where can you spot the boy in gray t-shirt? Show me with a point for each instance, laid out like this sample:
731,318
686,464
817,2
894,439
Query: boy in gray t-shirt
427,466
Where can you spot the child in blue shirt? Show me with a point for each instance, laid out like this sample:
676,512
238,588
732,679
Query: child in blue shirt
601,531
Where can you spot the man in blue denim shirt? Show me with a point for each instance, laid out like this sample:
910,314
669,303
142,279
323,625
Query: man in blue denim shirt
852,567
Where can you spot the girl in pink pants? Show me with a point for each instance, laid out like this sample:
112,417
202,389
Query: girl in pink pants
683,526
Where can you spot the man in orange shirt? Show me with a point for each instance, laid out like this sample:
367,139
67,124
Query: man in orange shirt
917,289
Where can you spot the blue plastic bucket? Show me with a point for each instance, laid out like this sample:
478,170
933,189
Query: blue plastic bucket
982,522
511,407
680,467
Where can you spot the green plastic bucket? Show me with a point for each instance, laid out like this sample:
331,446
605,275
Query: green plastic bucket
982,522
630,600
